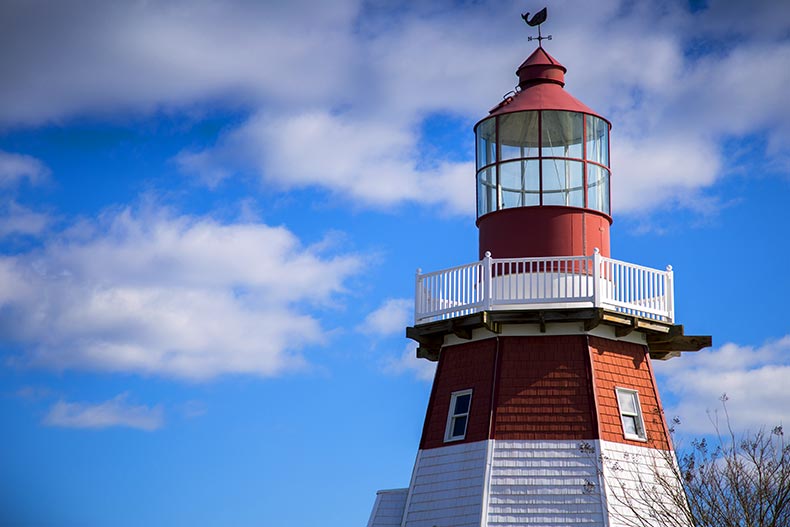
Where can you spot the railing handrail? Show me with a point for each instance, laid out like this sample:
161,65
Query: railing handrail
631,265
524,283
449,269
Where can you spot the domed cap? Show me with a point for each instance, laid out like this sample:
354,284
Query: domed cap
540,67
541,87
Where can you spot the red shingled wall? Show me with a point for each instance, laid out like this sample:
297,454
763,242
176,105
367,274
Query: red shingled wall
544,389
626,365
461,367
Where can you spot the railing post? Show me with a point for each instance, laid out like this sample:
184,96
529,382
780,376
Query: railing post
670,293
596,262
487,281
417,296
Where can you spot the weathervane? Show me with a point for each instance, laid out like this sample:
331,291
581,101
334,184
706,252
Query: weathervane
536,20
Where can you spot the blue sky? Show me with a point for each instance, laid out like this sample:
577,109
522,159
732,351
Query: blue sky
211,214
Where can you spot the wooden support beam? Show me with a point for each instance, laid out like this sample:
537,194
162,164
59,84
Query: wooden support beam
674,331
489,324
462,332
430,354
622,331
681,343
649,325
666,355
616,318
594,321
664,340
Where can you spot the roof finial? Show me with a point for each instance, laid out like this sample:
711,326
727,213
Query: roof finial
536,20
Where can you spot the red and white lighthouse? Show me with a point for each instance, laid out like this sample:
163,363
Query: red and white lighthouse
544,346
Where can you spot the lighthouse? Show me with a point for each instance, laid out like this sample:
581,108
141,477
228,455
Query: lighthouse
544,408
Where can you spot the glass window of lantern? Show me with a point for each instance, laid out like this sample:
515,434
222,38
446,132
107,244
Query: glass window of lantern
458,416
598,188
563,183
562,134
520,183
597,139
486,191
486,142
518,135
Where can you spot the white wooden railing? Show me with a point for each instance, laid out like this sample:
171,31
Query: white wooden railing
541,283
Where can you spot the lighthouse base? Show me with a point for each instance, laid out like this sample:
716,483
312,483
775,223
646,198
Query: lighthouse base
529,483
540,426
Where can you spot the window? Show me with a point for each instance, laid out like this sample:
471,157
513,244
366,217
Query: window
631,414
533,158
458,417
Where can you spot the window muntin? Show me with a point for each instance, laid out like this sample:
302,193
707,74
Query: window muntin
458,416
631,414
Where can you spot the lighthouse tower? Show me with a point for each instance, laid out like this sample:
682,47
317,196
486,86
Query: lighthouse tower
544,408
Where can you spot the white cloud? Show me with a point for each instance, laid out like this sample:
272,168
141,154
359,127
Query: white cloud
755,379
15,168
98,57
408,363
682,165
113,413
173,296
337,93
390,318
17,219
363,162
192,409
33,393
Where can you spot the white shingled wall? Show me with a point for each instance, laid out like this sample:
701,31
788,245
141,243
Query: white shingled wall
388,509
543,483
534,483
642,486
447,487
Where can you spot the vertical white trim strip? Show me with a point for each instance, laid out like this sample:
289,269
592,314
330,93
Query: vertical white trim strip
602,481
487,482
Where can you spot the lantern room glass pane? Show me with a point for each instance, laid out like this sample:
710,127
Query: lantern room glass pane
562,134
486,191
597,139
520,182
597,188
563,183
486,142
518,135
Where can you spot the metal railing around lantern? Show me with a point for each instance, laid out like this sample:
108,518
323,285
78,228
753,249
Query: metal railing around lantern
544,283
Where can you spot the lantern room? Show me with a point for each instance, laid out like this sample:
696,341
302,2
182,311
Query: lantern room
543,170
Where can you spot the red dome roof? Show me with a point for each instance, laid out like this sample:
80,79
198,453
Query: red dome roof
541,80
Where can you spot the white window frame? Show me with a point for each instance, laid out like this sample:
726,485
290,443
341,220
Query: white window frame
452,416
641,433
